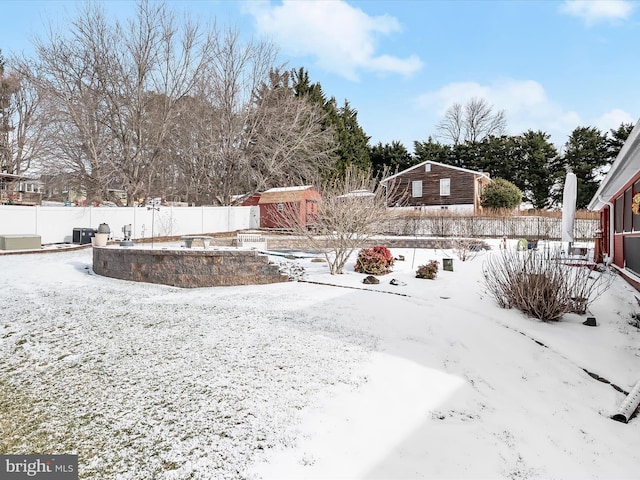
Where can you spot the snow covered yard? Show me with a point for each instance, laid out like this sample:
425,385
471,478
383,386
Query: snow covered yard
301,380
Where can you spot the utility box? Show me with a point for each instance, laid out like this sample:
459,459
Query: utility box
83,236
20,242
447,264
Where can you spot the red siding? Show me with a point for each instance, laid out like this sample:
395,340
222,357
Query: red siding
304,205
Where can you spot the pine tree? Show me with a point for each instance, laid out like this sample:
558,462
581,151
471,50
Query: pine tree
536,159
352,144
393,156
586,154
617,137
432,151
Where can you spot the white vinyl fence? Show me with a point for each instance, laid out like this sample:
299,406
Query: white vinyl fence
56,224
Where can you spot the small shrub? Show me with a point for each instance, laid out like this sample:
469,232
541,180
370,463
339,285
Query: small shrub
501,193
430,270
374,261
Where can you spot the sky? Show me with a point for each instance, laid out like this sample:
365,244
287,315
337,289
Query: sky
310,380
550,65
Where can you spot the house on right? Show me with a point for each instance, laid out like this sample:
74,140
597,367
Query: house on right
435,186
618,201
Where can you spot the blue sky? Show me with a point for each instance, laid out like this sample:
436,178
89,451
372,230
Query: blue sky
551,65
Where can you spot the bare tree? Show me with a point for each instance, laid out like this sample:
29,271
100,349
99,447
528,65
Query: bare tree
113,89
350,212
166,109
20,132
452,126
473,122
287,142
214,135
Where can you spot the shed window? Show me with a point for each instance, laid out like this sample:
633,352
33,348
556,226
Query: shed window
416,188
445,187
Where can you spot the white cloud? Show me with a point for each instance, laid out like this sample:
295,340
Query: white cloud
525,103
593,11
343,39
612,120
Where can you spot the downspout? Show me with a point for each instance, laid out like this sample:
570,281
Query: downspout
611,228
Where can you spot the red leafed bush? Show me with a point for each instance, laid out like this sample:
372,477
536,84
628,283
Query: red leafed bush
430,270
374,261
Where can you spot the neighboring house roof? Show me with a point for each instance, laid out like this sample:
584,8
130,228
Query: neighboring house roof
624,167
284,194
358,193
13,176
482,174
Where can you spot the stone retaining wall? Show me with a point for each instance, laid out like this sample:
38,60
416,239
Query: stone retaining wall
186,267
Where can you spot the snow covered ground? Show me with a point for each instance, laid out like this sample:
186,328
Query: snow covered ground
429,379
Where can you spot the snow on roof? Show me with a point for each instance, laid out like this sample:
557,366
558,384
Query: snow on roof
284,194
288,189
475,172
358,193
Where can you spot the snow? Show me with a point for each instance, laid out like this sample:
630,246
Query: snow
320,379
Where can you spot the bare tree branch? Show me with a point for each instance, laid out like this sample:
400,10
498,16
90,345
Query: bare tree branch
472,123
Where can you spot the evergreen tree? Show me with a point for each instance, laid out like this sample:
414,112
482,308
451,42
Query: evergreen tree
432,151
586,154
497,156
353,143
535,162
617,137
393,156
302,86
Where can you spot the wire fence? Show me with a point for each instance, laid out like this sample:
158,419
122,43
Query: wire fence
529,227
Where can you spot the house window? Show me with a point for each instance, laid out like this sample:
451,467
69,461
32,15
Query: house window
628,213
445,187
617,217
427,167
280,207
636,218
416,188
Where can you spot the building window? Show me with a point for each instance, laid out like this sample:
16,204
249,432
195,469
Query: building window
636,218
427,167
416,188
280,207
445,187
617,217
628,213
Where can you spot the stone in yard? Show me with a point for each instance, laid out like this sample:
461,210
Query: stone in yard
371,280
